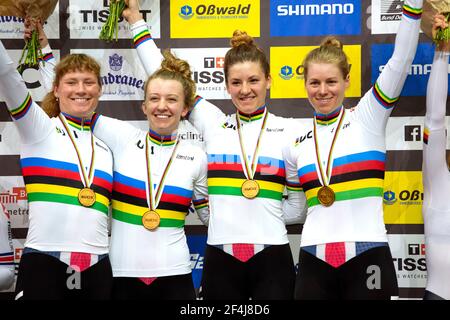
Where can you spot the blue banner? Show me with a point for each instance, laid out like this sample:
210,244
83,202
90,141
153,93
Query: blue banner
197,245
416,82
315,17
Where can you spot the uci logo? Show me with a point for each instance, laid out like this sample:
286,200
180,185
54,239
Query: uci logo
389,197
186,12
286,72
303,138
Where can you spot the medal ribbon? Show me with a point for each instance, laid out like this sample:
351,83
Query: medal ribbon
316,143
87,179
250,172
153,202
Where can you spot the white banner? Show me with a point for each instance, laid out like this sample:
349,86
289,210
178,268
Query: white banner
88,16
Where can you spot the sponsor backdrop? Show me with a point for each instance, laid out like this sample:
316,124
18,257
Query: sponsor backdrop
199,31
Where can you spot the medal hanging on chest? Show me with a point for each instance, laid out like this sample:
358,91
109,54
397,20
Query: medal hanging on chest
151,218
325,194
250,187
86,196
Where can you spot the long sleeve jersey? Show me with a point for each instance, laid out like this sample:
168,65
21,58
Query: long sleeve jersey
358,155
136,251
436,180
52,174
233,218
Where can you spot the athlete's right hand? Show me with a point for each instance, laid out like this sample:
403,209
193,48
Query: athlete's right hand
131,13
441,22
29,26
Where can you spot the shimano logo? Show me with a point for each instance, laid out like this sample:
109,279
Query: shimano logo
315,9
415,69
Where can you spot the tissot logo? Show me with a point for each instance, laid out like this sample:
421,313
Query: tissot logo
213,62
416,249
413,133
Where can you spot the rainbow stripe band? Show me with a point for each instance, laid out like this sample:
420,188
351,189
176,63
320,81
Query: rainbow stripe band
47,57
412,13
383,99
353,176
258,114
426,134
7,259
200,203
22,110
162,140
130,202
59,182
78,123
141,37
293,186
327,119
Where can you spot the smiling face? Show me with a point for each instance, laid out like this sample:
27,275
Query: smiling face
164,105
78,93
325,86
247,85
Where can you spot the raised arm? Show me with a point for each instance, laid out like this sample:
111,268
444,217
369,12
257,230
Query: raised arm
148,52
376,105
32,122
435,168
204,113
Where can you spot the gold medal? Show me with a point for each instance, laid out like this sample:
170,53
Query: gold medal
326,196
250,189
86,197
151,220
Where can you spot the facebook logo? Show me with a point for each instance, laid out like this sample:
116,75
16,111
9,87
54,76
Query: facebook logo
413,133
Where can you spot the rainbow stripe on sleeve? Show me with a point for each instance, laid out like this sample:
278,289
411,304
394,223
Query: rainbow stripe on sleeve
141,37
200,203
22,110
383,99
46,57
130,202
412,13
426,134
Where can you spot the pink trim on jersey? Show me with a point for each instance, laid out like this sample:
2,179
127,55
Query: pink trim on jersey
243,251
148,281
335,254
80,261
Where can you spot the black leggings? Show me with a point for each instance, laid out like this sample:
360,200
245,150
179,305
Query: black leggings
368,276
270,274
43,277
179,287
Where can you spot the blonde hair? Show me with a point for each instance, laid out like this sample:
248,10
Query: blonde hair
70,63
244,48
330,51
173,68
